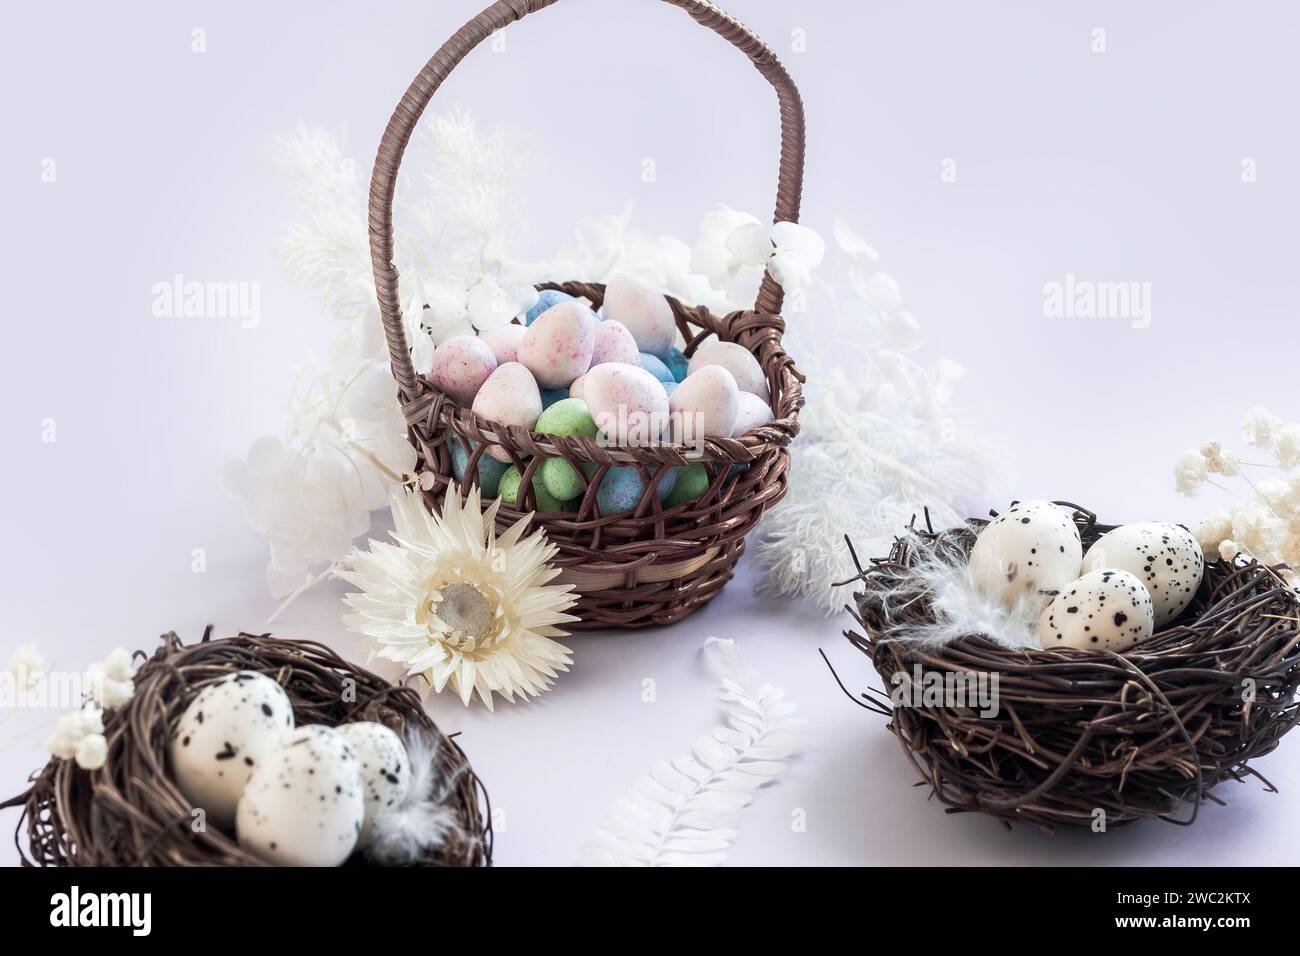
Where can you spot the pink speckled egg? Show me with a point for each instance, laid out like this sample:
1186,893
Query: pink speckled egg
751,412
578,388
614,343
557,347
705,405
504,342
460,366
737,360
627,403
510,396
641,307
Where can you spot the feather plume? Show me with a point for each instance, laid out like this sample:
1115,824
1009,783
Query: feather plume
426,818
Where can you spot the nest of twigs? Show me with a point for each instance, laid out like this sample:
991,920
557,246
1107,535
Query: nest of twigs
131,813
1082,736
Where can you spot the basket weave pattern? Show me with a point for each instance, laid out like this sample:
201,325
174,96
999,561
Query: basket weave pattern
1146,733
131,813
654,565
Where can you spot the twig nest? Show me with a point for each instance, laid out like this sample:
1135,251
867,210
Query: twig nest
305,799
1083,735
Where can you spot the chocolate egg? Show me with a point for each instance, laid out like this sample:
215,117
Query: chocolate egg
627,403
614,343
460,366
504,342
737,360
705,405
642,308
509,397
545,299
557,348
752,411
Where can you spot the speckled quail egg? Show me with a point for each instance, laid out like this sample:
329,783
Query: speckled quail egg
1165,557
221,737
385,770
305,803
1027,553
1107,609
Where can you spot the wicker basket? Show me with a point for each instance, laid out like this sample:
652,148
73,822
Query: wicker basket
131,813
1088,736
654,565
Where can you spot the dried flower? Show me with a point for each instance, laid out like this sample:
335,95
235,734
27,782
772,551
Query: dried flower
1190,473
1286,446
456,603
92,752
27,666
1260,427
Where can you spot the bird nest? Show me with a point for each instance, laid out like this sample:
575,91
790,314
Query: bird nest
130,812
1087,738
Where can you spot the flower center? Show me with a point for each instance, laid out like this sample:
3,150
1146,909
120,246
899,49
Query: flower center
467,612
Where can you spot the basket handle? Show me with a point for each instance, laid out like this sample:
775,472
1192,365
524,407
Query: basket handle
500,14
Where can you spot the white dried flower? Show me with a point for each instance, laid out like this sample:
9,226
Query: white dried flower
1260,427
1228,550
1286,446
27,665
1218,461
1190,473
1255,528
92,752
73,727
1214,530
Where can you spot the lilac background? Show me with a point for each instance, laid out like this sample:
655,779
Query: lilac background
1124,165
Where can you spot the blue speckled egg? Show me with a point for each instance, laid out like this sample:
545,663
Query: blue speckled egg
552,395
677,363
489,469
545,299
621,489
669,387
657,368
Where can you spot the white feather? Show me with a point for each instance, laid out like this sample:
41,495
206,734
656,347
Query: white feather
425,819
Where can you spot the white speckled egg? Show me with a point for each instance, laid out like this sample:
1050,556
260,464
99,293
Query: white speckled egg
1028,553
510,396
737,360
305,803
1166,558
751,412
460,366
705,405
614,343
385,770
557,348
642,308
627,403
1107,609
221,737
504,342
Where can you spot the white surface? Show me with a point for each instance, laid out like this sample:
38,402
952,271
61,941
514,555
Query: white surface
1124,165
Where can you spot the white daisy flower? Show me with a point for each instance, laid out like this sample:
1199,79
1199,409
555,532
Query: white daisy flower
455,603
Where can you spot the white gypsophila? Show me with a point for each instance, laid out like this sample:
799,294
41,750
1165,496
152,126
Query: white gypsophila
1260,427
455,603
1190,473
877,446
26,666
73,727
1213,531
1286,446
92,752
114,679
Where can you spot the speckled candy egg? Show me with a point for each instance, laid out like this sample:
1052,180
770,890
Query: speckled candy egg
510,491
557,348
677,363
509,397
385,770
1028,553
488,472
737,360
751,412
504,342
627,403
222,736
1166,558
578,388
460,366
621,489
692,481
545,299
643,309
655,367
569,418
705,405
1107,609
614,343
305,804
